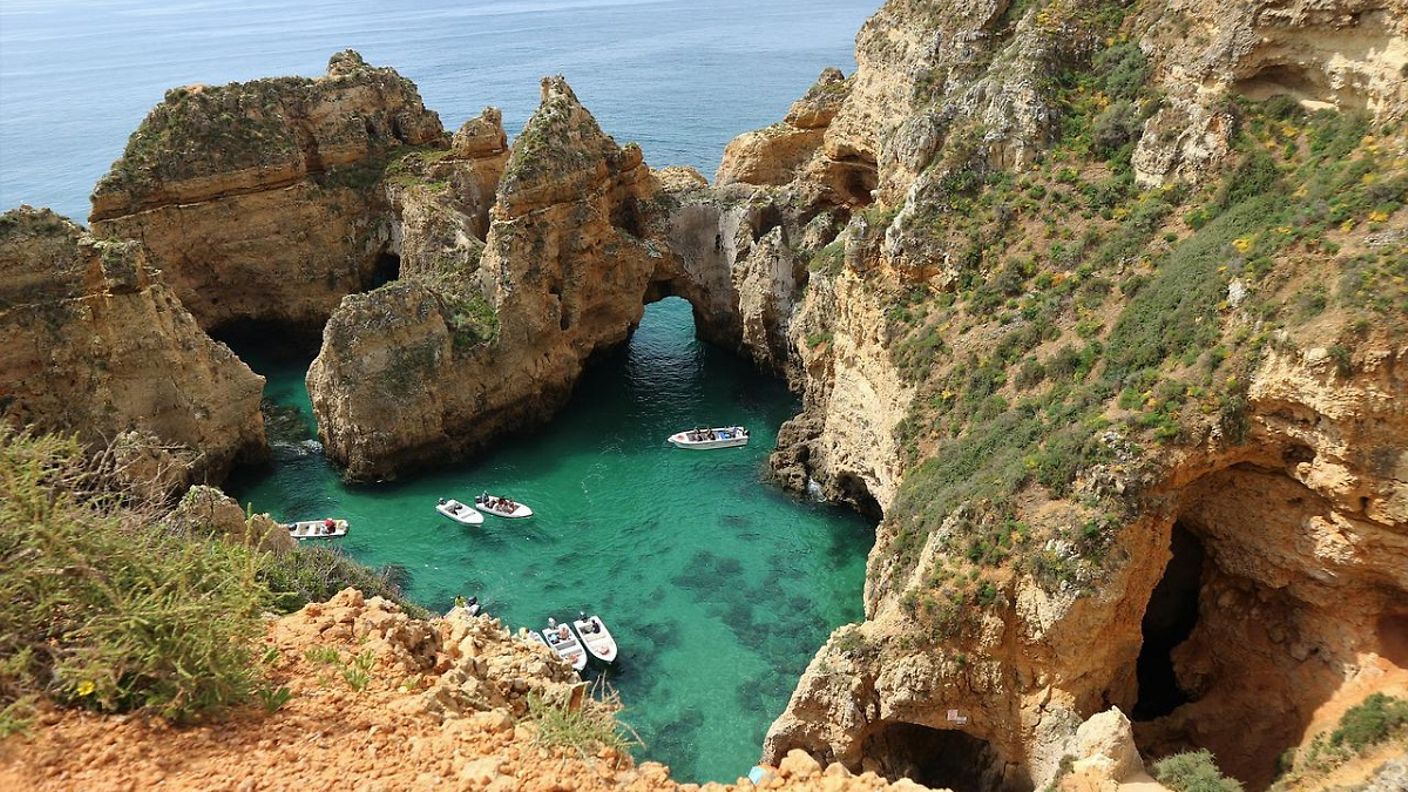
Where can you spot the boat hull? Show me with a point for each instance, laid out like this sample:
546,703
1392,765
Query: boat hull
681,440
464,515
313,529
520,512
599,644
568,648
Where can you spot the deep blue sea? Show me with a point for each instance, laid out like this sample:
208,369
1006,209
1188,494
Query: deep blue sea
719,587
680,77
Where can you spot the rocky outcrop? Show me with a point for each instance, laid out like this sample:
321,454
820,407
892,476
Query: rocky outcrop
255,199
412,371
205,511
373,698
1349,55
97,344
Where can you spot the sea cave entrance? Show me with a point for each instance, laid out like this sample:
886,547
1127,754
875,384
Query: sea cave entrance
938,758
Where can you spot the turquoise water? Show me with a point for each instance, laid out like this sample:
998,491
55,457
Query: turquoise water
718,587
680,77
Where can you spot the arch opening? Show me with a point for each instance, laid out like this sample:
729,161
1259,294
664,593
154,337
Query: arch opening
937,758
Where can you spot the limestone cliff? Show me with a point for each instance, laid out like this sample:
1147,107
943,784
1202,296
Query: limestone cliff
1134,446
97,344
255,198
446,361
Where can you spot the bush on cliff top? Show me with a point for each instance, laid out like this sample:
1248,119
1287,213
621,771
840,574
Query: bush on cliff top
102,608
106,606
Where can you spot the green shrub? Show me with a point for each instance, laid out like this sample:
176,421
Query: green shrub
102,608
1195,771
314,574
1371,722
588,729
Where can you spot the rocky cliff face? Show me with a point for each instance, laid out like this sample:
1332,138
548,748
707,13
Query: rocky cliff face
1346,55
97,344
254,198
1129,444
442,364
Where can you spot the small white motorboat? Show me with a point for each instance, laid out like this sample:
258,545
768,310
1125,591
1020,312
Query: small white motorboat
595,637
561,640
317,529
502,507
718,437
459,512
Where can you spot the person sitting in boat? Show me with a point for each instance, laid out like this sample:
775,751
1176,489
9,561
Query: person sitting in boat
328,526
563,633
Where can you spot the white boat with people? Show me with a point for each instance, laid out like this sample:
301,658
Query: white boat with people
595,637
459,512
561,640
317,529
702,438
502,507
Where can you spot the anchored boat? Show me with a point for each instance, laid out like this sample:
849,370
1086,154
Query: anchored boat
502,507
317,529
595,637
459,512
702,439
561,640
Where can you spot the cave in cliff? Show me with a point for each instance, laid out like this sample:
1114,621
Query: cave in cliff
1246,634
937,758
386,269
1168,621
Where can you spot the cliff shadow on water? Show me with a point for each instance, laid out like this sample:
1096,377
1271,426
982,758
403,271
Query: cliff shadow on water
718,586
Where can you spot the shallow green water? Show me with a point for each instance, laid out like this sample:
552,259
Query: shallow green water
718,587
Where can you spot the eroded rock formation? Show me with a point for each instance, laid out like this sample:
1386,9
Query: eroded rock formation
97,344
1189,578
413,370
1344,54
443,703
254,198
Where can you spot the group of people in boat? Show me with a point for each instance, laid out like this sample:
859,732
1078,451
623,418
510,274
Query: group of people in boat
505,505
702,433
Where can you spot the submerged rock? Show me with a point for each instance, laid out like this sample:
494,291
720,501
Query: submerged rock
97,344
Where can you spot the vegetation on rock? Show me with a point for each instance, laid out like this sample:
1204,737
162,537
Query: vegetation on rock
109,607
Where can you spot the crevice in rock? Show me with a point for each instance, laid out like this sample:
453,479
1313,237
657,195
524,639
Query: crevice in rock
1168,621
273,339
937,758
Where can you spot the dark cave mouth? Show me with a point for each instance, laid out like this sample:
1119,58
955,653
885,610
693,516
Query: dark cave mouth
1169,620
937,758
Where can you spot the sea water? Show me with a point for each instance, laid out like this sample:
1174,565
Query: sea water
718,587
680,77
